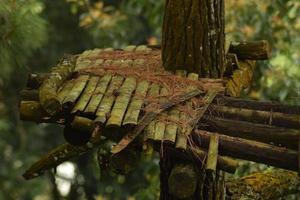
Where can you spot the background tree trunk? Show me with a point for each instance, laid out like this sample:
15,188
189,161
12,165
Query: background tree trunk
193,36
193,39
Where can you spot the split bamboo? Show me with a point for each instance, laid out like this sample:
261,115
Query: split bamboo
159,125
107,102
79,85
86,95
135,106
66,88
98,95
121,103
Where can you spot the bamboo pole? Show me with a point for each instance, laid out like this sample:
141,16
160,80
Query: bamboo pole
256,105
108,100
59,155
29,95
48,89
262,117
86,95
256,50
121,103
262,133
79,85
33,111
134,108
98,95
250,150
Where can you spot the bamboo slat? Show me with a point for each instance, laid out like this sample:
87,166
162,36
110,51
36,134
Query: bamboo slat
65,90
86,95
108,100
159,125
152,93
121,103
134,108
211,163
79,85
181,139
98,95
171,129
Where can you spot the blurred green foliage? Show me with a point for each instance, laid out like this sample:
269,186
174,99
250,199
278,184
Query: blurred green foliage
34,34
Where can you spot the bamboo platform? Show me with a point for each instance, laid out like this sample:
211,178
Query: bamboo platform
111,91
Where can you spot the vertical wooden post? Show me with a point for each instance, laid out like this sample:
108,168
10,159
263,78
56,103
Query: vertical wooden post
193,37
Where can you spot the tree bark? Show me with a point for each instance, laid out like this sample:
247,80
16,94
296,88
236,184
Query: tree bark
193,37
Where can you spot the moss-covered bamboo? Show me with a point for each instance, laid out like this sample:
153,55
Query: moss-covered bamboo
49,88
33,111
108,100
86,95
134,108
65,90
121,103
98,95
79,85
29,95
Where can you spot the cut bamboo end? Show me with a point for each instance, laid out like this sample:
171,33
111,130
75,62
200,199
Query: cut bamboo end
108,100
35,80
86,95
32,111
134,108
121,103
98,95
79,85
211,163
130,48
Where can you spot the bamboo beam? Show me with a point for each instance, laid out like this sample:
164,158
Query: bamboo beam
256,105
29,95
262,117
256,50
250,150
262,133
49,88
33,111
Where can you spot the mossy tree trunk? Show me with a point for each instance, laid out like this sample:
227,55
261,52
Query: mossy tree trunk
193,36
193,39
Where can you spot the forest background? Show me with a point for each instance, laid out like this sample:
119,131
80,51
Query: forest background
35,34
